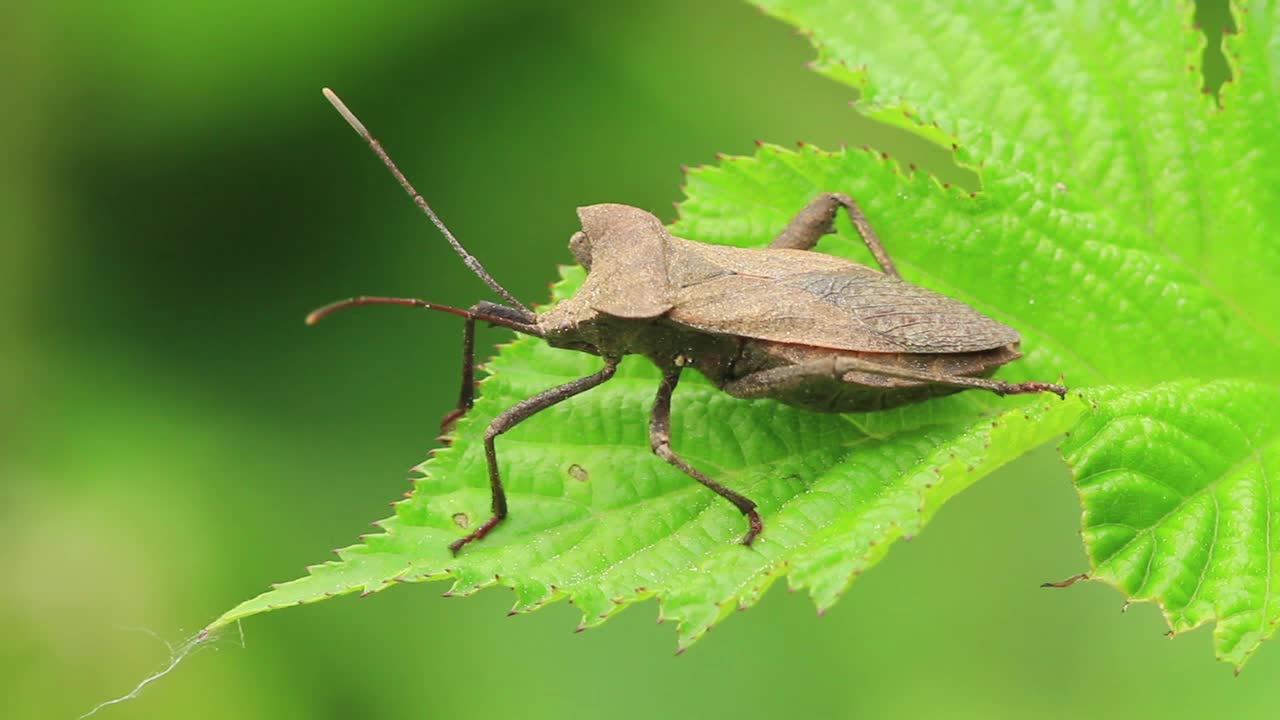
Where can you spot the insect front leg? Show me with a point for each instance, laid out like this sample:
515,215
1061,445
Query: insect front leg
467,394
818,218
660,441
508,419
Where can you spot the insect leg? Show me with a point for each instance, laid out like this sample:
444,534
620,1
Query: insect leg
466,396
817,219
766,383
845,363
508,419
660,441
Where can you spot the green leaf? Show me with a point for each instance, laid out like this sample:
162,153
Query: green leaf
1124,226
1181,490
597,519
1156,207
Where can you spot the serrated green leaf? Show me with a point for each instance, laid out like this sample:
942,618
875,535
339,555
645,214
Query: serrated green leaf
1123,226
1180,507
597,519
1165,214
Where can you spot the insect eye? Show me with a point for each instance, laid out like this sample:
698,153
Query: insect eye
580,246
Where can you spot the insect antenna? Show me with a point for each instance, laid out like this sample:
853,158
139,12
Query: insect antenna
321,313
421,202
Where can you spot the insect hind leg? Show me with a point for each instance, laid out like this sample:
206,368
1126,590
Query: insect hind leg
818,218
816,384
844,364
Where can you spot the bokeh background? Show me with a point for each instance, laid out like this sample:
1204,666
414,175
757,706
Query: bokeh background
175,195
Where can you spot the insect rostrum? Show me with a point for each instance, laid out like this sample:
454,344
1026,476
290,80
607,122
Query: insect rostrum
781,322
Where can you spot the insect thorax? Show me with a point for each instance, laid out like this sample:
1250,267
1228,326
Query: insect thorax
573,326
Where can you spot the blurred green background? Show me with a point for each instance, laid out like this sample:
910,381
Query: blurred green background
176,195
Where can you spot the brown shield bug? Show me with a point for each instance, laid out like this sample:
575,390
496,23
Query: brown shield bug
781,322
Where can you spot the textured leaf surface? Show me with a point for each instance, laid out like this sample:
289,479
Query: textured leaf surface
1181,487
1125,226
1161,210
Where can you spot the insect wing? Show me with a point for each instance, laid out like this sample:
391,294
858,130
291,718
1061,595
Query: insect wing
809,298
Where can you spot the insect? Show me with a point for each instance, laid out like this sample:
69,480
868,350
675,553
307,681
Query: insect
781,322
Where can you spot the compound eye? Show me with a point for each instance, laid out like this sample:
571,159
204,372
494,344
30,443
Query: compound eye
580,246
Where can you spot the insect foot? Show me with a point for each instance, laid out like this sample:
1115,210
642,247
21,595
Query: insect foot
1028,388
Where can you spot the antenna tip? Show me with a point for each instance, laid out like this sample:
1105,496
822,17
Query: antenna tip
345,112
314,316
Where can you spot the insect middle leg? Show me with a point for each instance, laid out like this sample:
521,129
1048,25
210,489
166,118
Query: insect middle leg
818,218
660,441
508,419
